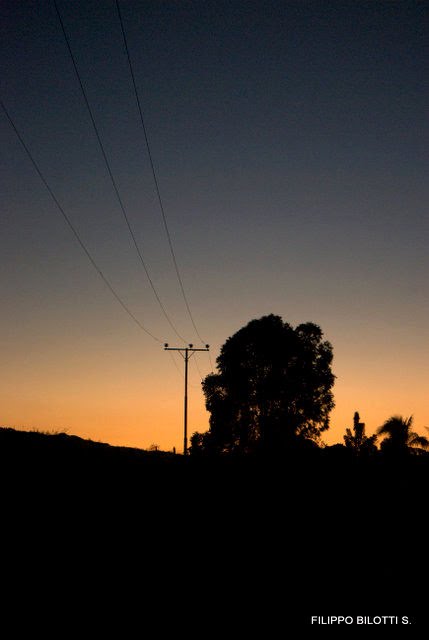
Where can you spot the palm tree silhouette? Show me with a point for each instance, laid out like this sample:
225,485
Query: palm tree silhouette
400,438
357,441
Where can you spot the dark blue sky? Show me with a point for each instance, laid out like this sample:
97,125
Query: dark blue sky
290,141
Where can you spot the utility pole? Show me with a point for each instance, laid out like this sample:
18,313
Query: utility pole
186,353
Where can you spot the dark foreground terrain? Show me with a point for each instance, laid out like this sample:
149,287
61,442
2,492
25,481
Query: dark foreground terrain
101,539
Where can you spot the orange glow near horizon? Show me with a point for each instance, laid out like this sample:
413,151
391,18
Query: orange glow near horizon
128,407
288,153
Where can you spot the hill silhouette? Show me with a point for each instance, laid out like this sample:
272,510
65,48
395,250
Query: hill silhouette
36,447
212,543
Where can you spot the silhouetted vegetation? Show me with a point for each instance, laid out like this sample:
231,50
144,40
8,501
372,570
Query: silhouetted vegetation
219,530
399,439
357,441
273,389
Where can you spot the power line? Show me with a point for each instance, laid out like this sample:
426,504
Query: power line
173,360
211,362
155,179
197,366
73,228
180,372
112,179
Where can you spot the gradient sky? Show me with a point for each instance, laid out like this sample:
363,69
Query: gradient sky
291,146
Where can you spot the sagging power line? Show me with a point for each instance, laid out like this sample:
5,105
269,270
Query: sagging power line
111,176
73,228
155,178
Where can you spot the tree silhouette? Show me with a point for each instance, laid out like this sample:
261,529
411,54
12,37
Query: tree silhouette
199,443
273,386
399,437
357,441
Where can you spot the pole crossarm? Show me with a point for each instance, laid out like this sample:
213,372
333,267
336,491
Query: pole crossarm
186,353
189,348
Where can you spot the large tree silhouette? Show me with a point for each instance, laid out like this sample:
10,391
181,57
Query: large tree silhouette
273,386
399,437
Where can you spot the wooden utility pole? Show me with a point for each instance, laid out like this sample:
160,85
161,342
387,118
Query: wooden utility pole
186,353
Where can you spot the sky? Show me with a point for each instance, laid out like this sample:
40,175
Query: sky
290,142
